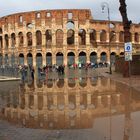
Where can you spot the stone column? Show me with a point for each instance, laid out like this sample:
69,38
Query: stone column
108,100
44,59
44,101
99,101
107,37
98,36
25,40
34,39
34,60
88,99
53,58
26,101
133,37
35,101
117,37
43,39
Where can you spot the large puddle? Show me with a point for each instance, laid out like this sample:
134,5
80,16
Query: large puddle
108,109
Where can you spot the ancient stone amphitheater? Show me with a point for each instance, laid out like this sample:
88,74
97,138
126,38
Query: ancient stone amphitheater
65,36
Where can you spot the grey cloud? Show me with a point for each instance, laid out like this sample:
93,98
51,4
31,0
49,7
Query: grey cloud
14,6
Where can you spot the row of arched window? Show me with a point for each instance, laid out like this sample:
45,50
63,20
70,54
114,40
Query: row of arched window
60,37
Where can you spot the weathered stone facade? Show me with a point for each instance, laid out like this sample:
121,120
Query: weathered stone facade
60,37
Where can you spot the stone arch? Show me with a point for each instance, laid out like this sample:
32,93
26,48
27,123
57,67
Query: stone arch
13,39
93,57
70,58
82,58
122,53
92,36
39,60
70,25
21,38
103,36
29,59
48,38
29,39
121,36
112,36
49,58
59,37
103,57
38,37
71,82
59,58
21,59
70,37
6,38
82,37
60,83
136,37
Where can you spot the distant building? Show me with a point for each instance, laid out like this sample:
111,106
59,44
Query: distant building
65,36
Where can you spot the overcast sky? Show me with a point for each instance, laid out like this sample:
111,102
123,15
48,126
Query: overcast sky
13,6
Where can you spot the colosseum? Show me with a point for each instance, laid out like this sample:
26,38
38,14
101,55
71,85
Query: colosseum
65,36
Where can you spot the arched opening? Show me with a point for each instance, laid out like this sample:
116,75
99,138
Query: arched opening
136,37
39,60
113,58
103,36
71,82
59,58
48,38
82,37
21,59
13,39
112,36
122,53
38,38
70,25
13,59
6,41
29,59
70,37
1,59
103,57
59,37
82,82
49,59
92,36
121,36
21,39
6,59
93,57
71,58
1,42
60,83
0,30
82,58
29,38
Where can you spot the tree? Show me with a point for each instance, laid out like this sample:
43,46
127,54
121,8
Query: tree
127,35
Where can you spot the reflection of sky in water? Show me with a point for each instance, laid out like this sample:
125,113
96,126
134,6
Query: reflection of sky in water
73,103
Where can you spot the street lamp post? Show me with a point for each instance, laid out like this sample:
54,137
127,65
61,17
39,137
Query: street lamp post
106,5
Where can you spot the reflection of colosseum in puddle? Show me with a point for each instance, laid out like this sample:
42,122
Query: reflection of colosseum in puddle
66,103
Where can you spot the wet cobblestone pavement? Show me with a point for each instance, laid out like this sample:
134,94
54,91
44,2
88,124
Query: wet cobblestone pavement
80,106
